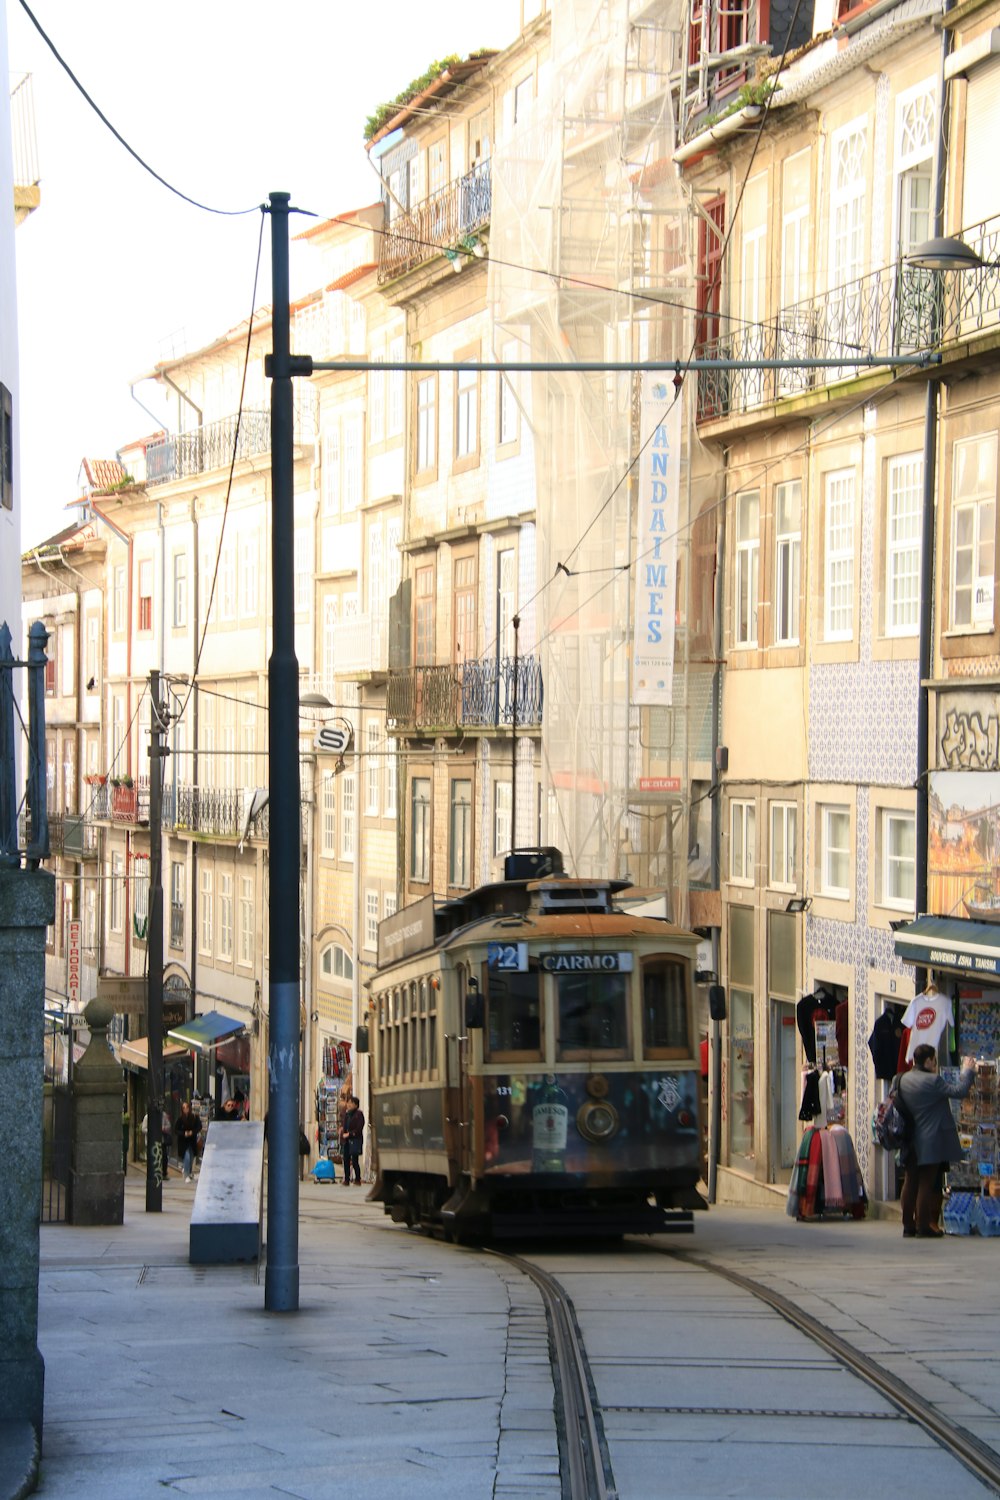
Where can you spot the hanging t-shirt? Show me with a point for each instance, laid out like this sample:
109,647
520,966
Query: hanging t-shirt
928,1017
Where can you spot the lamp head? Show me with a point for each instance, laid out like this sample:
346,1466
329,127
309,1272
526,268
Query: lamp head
946,253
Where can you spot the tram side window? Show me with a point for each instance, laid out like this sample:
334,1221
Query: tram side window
665,1022
514,1024
593,1013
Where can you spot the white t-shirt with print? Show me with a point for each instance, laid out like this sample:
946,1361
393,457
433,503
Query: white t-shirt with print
928,1017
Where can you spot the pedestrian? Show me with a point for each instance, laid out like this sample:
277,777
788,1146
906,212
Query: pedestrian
188,1130
926,1097
351,1140
168,1129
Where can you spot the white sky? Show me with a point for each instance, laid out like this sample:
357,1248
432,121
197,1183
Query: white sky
228,100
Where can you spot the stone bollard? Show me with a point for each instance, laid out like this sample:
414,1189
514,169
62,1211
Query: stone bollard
96,1177
27,907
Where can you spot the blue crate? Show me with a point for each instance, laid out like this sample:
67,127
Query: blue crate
987,1217
959,1213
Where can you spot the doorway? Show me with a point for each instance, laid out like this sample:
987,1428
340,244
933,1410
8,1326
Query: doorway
784,1090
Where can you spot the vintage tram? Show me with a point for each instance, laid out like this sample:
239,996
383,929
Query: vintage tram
533,1061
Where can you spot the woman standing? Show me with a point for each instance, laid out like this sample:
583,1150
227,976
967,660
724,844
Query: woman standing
935,1144
352,1140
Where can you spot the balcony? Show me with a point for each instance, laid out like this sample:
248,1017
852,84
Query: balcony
216,811
441,223
476,695
73,836
898,309
211,447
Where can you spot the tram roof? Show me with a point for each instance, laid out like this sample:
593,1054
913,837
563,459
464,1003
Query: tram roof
579,926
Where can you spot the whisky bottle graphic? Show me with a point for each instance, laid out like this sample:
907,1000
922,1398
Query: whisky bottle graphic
549,1120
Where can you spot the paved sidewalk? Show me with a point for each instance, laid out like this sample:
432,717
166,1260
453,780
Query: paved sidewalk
412,1367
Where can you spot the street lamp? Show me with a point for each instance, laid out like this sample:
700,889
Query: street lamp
945,253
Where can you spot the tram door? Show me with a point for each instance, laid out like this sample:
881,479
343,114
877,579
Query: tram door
457,1051
784,1090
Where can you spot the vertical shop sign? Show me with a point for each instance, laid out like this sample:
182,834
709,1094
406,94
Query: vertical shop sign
656,542
74,958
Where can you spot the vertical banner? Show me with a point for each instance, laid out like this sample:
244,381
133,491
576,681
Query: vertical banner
74,958
658,471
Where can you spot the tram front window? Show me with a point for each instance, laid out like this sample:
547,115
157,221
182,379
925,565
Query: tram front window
593,1013
665,1027
514,1026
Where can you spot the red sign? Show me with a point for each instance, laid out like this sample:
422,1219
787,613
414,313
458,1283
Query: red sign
659,783
74,958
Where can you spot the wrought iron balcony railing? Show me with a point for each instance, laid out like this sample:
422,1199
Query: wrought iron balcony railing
210,447
73,836
898,309
440,224
475,695
209,809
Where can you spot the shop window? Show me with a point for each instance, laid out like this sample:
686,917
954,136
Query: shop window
514,1015
741,1074
665,1016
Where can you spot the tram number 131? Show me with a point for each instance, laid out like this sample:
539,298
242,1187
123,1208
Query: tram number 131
507,957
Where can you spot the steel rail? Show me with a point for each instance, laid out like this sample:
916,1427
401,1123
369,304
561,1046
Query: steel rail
586,1463
972,1452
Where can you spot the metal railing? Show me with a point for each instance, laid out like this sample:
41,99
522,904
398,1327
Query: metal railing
210,447
475,695
444,222
73,835
24,141
26,840
898,309
210,809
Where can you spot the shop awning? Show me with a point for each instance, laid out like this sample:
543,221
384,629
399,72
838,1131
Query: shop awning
135,1055
203,1032
951,943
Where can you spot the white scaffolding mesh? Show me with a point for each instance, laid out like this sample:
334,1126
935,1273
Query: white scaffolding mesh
585,189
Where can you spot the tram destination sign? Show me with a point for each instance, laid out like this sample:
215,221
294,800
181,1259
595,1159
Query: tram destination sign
586,963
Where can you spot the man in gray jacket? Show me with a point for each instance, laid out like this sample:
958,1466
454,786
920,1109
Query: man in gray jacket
925,1096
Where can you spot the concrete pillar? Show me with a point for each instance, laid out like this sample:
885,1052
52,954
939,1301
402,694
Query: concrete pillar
27,907
97,1173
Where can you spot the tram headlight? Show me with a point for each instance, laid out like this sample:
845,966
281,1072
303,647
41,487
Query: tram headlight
597,1121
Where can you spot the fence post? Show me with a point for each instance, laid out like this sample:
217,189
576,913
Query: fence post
9,857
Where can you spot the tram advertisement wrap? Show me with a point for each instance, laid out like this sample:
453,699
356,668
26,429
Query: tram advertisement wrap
589,1124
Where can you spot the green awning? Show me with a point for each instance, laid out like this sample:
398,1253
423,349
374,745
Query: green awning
971,948
206,1031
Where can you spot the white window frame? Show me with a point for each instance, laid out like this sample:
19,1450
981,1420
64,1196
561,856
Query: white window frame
466,414
348,816
747,570
838,555
460,834
848,190
420,847
903,504
509,412
742,840
246,921
330,469
371,919
889,863
116,904
783,850
118,598
834,821
206,903
502,817
328,822
787,565
225,915
977,509
227,581
390,904
426,424
144,594
180,590
391,778
373,772
336,963
248,576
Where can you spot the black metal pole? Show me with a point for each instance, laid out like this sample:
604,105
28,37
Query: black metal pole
156,1146
516,622
281,1281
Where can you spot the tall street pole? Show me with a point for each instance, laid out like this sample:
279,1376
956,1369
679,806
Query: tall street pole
156,1146
281,1281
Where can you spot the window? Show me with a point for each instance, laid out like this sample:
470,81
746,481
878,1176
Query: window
502,809
390,778
915,127
508,414
524,93
115,892
420,828
506,593
371,919
896,859
426,425
180,589
6,449
974,533
460,835
331,609
303,569
206,898
373,769
904,488
847,204
838,600
783,840
354,456
665,1024
246,920
466,414
788,548
514,1015
711,237
464,609
336,963
389,904
140,895
747,567
248,576
145,615
593,1013
118,599
743,842
331,470
394,410
227,582
329,827
423,622
225,915
376,400
348,810
93,661
177,888
835,851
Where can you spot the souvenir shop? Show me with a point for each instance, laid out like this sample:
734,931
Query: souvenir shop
826,1179
335,1087
959,1012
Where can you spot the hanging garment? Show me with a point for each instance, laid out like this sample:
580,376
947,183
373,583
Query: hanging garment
833,1190
883,1044
841,1020
928,1016
855,1199
810,1106
827,1111
810,1009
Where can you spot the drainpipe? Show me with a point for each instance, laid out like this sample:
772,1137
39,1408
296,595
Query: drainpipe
715,878
125,537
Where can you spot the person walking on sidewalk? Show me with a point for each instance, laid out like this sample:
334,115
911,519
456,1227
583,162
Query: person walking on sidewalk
352,1139
188,1129
935,1143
